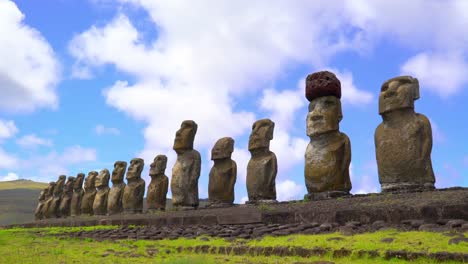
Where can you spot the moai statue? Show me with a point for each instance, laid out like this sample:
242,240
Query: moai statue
42,199
75,207
223,174
328,155
102,193
49,196
89,193
157,189
403,141
53,209
114,202
65,202
132,199
186,170
262,166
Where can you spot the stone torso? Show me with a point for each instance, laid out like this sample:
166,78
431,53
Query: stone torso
157,191
100,201
87,202
65,204
261,176
326,164
75,206
403,151
132,199
114,202
221,183
184,182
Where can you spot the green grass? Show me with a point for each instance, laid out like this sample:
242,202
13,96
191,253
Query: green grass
22,184
38,245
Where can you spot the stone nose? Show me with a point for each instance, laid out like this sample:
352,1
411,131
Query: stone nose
316,117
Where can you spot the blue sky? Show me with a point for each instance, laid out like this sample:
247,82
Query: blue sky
86,83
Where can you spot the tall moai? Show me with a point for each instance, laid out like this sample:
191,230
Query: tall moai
89,193
41,202
132,199
114,202
49,196
223,174
263,166
102,193
75,207
53,209
157,189
403,141
65,202
328,154
186,170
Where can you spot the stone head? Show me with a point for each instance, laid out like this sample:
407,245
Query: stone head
223,148
398,93
60,184
90,181
102,180
78,184
136,166
158,166
324,115
262,133
185,136
50,189
119,171
61,178
323,83
69,185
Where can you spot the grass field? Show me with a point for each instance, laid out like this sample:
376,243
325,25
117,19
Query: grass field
42,246
22,184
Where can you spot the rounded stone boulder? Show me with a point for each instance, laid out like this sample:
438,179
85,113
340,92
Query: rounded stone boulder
322,83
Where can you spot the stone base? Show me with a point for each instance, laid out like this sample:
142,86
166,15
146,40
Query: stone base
185,208
255,202
131,211
218,205
325,195
406,187
155,210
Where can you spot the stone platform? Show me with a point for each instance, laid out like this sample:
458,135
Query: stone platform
392,208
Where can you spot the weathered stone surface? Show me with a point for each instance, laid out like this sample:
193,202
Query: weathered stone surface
157,189
89,193
49,196
114,202
263,166
65,203
53,207
102,193
186,170
42,199
328,155
323,83
403,141
223,174
132,199
75,207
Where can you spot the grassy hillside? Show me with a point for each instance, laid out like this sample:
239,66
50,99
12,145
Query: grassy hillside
18,199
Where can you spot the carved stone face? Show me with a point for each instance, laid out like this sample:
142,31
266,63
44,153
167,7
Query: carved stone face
69,185
119,171
78,181
223,148
262,133
134,171
185,135
158,166
90,180
102,179
62,178
397,93
324,115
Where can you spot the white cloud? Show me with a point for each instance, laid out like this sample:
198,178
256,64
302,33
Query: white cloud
102,130
244,199
283,105
289,190
350,94
7,129
437,134
441,73
11,176
29,70
7,160
32,141
241,157
76,154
